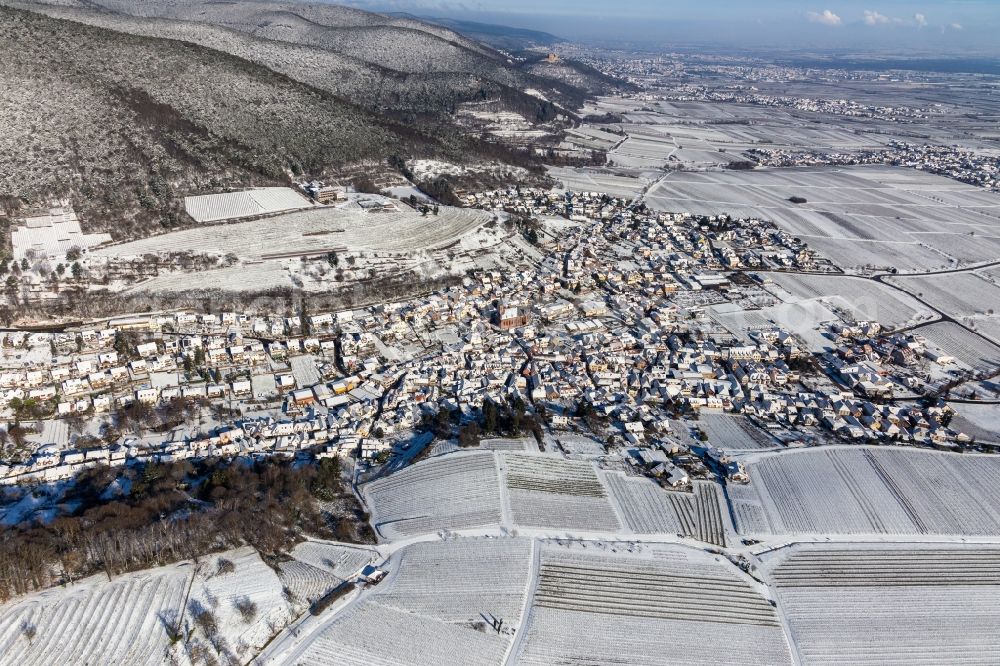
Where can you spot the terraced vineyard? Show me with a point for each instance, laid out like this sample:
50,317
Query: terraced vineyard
450,492
873,490
690,608
926,604
546,491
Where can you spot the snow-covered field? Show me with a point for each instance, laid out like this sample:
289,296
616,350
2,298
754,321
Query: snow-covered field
734,433
128,620
499,444
584,180
455,491
665,605
266,253
869,491
437,606
546,491
959,294
866,299
649,509
221,592
970,349
867,604
310,231
431,169
232,205
645,506
460,580
856,216
370,634
318,567
51,235
95,621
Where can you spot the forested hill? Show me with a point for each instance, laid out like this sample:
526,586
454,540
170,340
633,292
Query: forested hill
384,63
128,124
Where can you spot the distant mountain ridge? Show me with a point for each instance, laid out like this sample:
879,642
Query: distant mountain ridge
385,63
499,36
125,106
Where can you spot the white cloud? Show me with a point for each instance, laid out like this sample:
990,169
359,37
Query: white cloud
874,18
955,26
826,17
921,20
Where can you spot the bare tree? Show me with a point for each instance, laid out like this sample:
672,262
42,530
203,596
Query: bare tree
29,631
247,608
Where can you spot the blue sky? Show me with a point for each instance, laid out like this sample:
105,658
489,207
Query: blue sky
929,25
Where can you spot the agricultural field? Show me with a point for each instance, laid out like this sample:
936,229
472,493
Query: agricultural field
891,604
600,180
318,567
455,491
647,146
734,433
500,444
306,582
249,203
96,621
580,445
589,137
545,491
692,608
984,419
370,633
988,326
807,319
862,218
738,321
221,590
958,294
866,300
128,619
649,509
461,580
645,506
436,607
262,254
347,228
869,491
343,562
51,235
969,349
